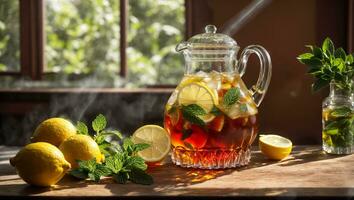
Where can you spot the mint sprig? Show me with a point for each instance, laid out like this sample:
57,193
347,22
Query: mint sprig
328,64
232,96
121,166
90,169
122,162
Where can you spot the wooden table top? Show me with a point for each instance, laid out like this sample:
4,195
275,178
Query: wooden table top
306,173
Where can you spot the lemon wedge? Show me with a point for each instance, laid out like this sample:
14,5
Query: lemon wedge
158,139
274,146
200,94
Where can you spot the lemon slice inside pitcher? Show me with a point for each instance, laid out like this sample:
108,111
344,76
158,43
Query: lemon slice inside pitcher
158,139
200,94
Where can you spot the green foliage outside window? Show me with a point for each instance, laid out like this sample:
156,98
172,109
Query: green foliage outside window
9,36
82,38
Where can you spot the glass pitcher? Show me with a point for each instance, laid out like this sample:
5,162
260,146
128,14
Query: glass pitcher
211,116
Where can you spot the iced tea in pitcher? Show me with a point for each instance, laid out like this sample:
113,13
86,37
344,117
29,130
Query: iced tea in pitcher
212,116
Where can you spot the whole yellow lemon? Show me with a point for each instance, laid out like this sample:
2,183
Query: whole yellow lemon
40,164
80,147
53,131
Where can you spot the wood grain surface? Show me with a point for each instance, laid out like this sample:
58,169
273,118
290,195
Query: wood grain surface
307,173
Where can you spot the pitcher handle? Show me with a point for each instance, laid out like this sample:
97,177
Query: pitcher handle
257,91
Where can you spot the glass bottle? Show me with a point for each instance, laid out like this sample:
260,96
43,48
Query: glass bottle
338,121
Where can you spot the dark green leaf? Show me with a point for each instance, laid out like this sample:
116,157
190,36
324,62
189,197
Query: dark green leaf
317,52
328,47
128,145
318,84
115,162
215,111
312,62
342,112
231,96
135,162
102,170
194,119
82,128
79,173
340,53
186,133
194,109
140,177
94,177
99,123
89,165
121,178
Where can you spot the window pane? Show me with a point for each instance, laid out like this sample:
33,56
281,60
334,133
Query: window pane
155,28
9,36
82,36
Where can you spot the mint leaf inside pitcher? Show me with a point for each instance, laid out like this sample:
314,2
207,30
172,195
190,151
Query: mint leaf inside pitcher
232,96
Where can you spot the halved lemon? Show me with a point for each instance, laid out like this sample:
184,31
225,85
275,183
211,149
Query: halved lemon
158,139
274,146
200,94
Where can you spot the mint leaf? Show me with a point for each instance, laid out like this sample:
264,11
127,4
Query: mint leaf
194,109
102,170
121,177
79,173
87,165
82,128
99,123
328,47
231,96
192,118
105,148
319,83
186,133
99,139
305,56
135,162
128,145
340,53
341,112
115,163
140,146
140,177
215,111
317,52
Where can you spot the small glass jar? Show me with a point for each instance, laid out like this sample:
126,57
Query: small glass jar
338,121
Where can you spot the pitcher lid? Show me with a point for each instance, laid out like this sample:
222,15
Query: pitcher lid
210,40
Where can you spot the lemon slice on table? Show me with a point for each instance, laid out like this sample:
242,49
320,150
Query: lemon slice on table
274,146
158,139
200,94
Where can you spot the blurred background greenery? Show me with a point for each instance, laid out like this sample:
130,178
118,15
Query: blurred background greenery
82,38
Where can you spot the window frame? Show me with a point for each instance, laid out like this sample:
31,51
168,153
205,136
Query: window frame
32,39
